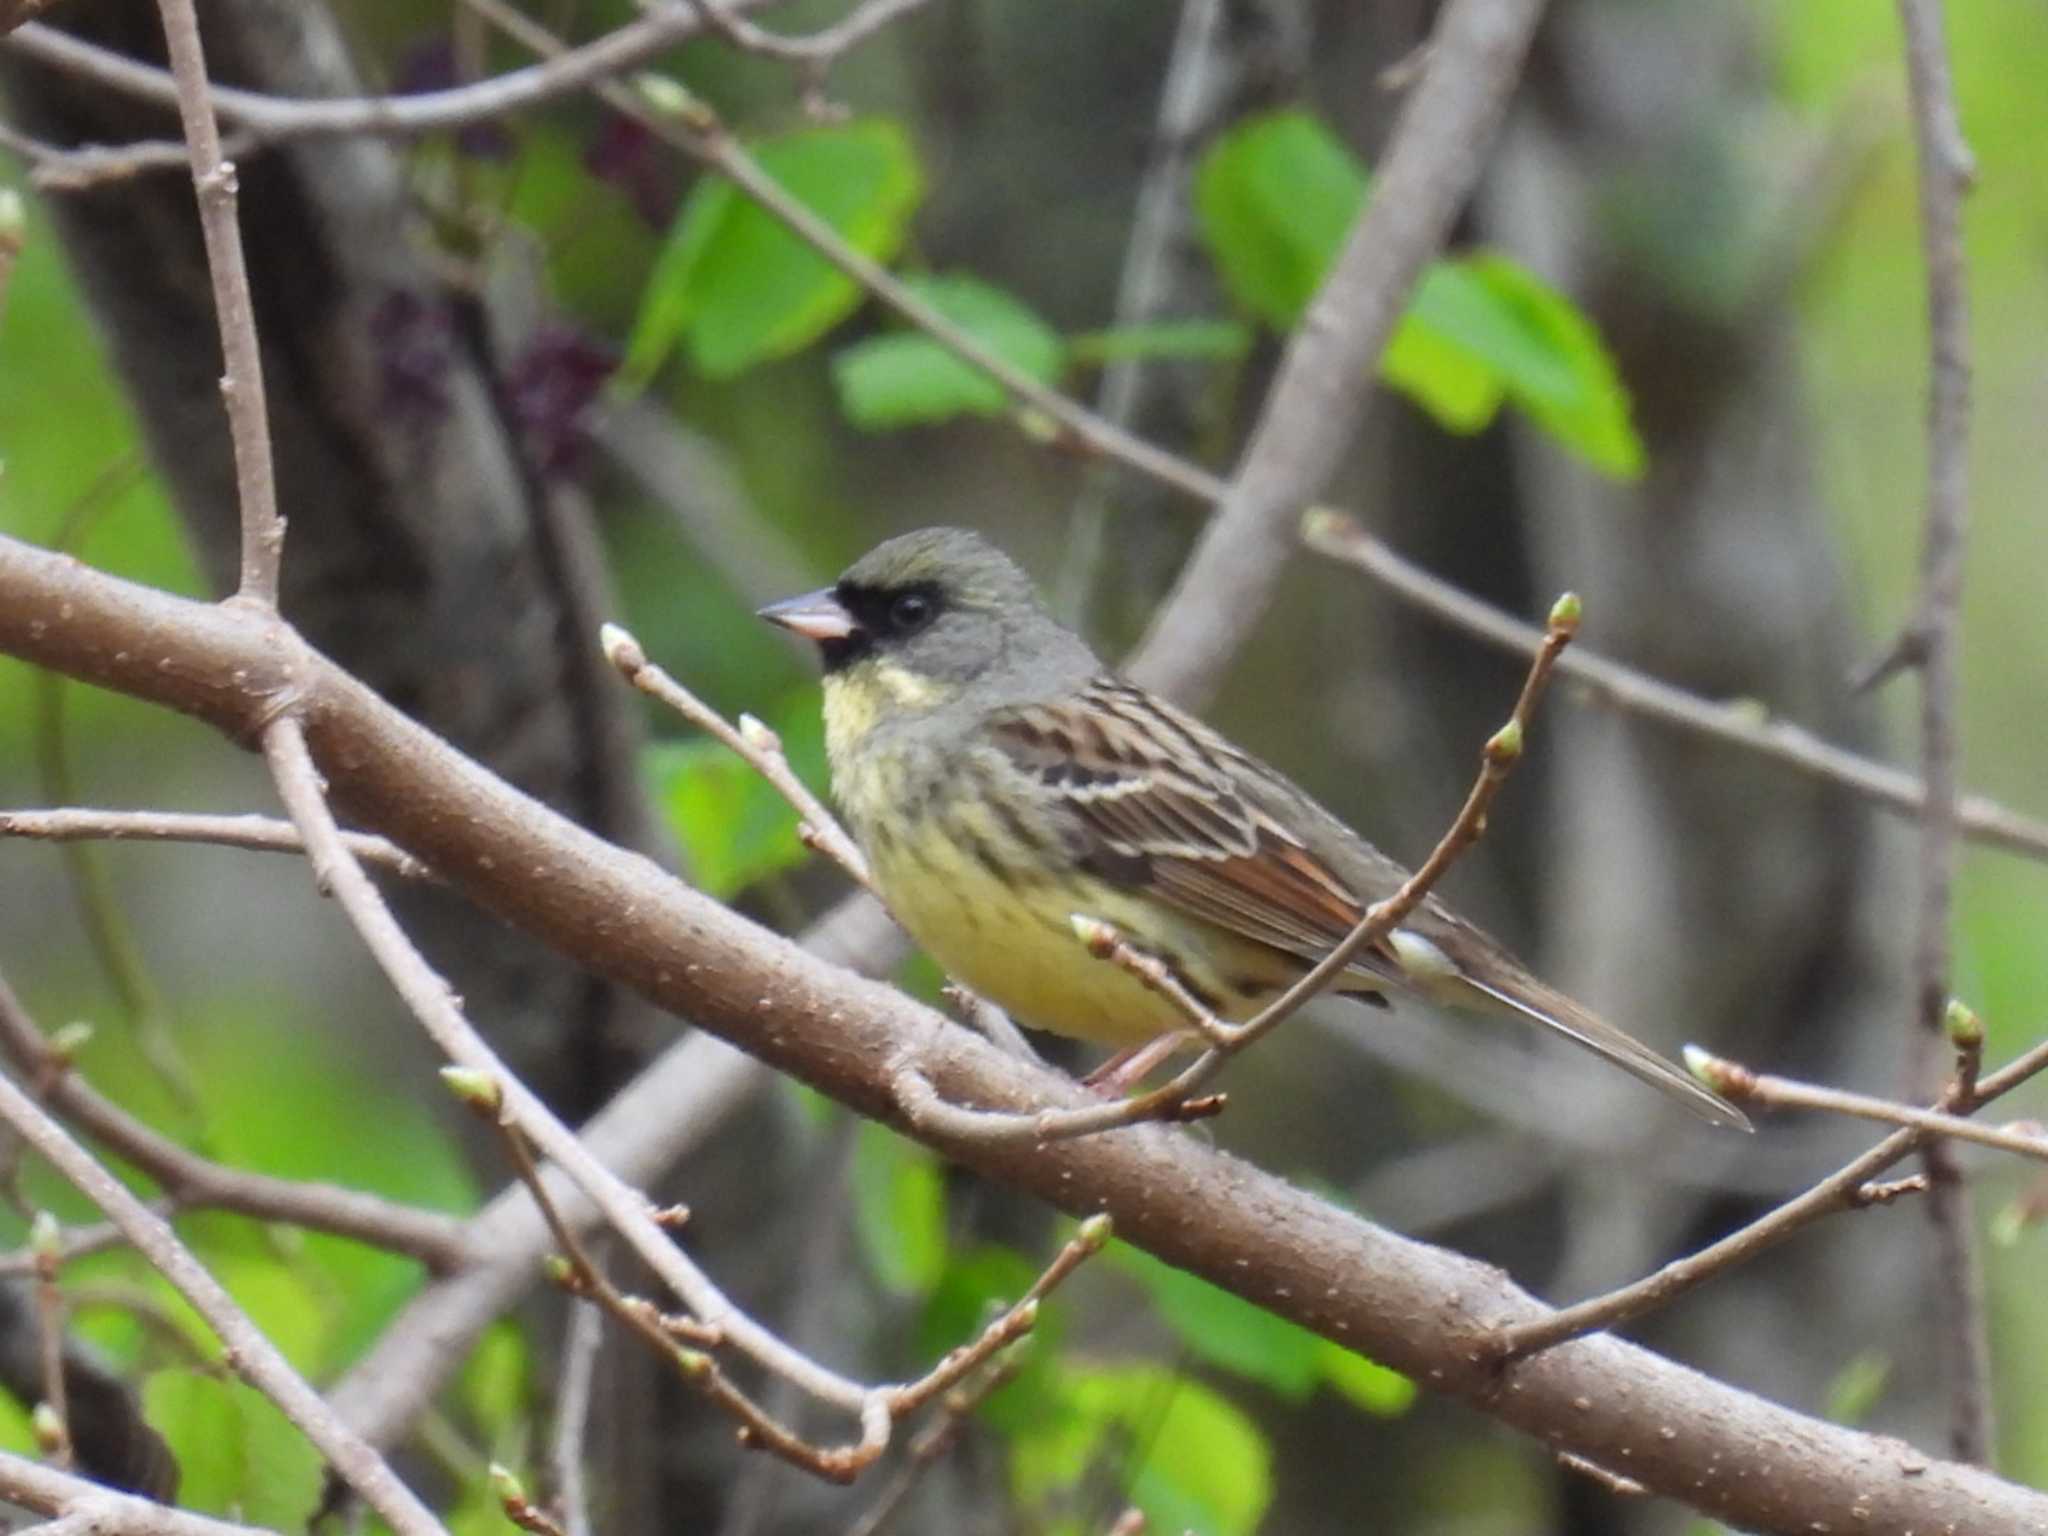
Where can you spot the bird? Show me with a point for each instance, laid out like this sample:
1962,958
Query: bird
1002,781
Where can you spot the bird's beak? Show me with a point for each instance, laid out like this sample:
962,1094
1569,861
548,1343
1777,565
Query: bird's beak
818,616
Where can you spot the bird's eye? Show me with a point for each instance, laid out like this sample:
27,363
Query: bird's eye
911,612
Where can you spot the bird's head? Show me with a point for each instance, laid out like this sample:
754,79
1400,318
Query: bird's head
926,615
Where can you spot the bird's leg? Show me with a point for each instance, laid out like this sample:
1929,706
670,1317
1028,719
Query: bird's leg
1132,1065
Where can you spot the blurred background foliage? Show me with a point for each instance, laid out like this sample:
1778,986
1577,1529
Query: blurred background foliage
991,155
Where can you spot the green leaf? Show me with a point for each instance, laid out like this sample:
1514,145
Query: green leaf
899,1210
237,1455
1857,1387
1462,393
494,1380
1164,340
1368,1384
1225,1330
907,379
1274,198
735,283
1546,354
1229,1332
1191,1460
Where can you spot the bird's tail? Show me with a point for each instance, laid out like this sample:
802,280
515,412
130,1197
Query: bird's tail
1532,1000
1427,966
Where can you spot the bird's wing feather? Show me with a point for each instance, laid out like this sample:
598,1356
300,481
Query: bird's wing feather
1157,801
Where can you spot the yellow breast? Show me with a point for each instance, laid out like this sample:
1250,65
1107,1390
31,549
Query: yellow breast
996,911
1012,939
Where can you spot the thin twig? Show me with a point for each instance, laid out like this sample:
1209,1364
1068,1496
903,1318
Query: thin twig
257,834
76,1243
582,1276
1944,176
1173,1099
752,741
1611,683
1419,1309
517,1507
98,1509
191,1181
1885,1191
274,119
1845,1189
676,1102
818,48
271,119
45,1241
434,1005
241,380
55,169
1613,1482
1432,161
932,1444
581,1346
1738,1082
252,1356
1012,1324
884,1406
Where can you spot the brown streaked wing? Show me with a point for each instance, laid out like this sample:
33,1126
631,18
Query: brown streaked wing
1153,789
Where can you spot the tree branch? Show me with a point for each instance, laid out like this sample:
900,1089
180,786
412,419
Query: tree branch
429,998
676,1103
251,1355
190,1180
1605,681
1416,1308
1841,1190
1433,159
241,380
1944,171
100,1510
275,118
257,834
1773,1092
15,13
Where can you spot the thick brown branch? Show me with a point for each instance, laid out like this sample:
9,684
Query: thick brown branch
274,118
434,1005
1417,1308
